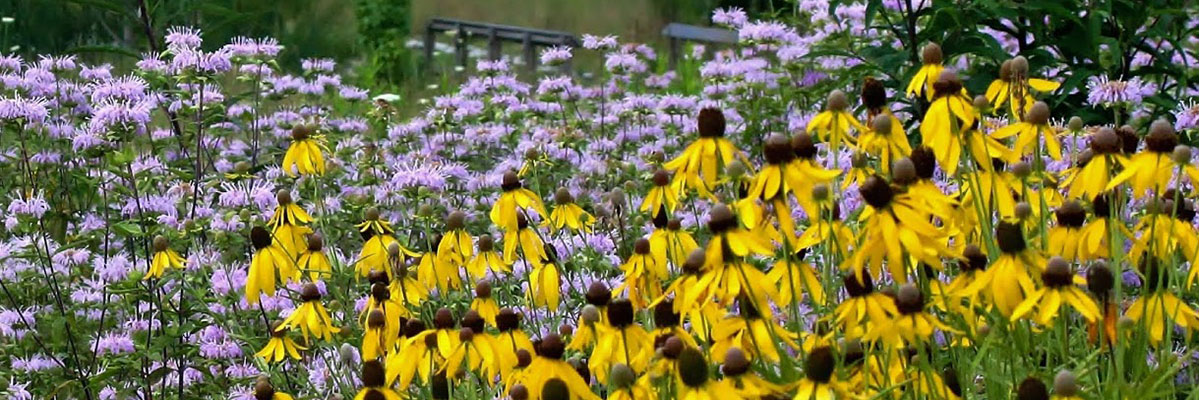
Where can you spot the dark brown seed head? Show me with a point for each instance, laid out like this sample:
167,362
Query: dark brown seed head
695,262
932,54
301,132
735,362
777,149
522,221
507,320
1010,237
563,196
925,161
1057,273
641,246
674,224
1071,214
673,347
283,196
1064,384
519,392
903,171
693,367
472,320
1161,138
485,243
881,124
859,159
483,289
380,292
876,192
1128,139
523,358
1032,389
310,292
947,83
371,214
260,238
373,394
661,177
1105,141
1084,157
278,330
975,260
413,327
443,319
510,181
1100,206
551,347
376,319
710,123
555,389
431,341
721,219
819,365
378,277
857,288
456,220
316,242
874,95
1019,66
837,101
1100,279
909,300
1022,169
1038,114
620,313
598,294
566,330
160,244
803,146
263,390
466,334
372,374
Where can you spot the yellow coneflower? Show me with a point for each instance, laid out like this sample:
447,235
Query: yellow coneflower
1029,131
864,308
475,351
304,154
643,275
1094,169
995,190
378,339
1152,168
663,198
568,214
523,242
819,381
1059,290
728,236
268,261
694,382
752,330
484,304
971,266
437,272
811,173
885,138
486,259
514,200
311,316
625,384
1165,229
545,290
405,288
671,243
692,289
313,260
922,81
264,391
832,125
380,250
748,384
280,346
948,127
510,340
1065,239
779,175
456,245
924,189
912,326
702,162
1012,86
828,229
896,224
1100,282
1157,308
1093,239
593,318
164,257
668,323
1008,280
624,342
287,212
418,355
548,366
381,300
374,383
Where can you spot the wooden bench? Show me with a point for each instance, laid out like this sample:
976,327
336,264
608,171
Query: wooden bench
679,33
495,34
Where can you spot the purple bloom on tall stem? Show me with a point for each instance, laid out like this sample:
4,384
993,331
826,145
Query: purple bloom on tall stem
1105,92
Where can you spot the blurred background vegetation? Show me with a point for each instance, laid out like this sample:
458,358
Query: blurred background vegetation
367,37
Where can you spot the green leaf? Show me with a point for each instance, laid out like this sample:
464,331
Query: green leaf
128,228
